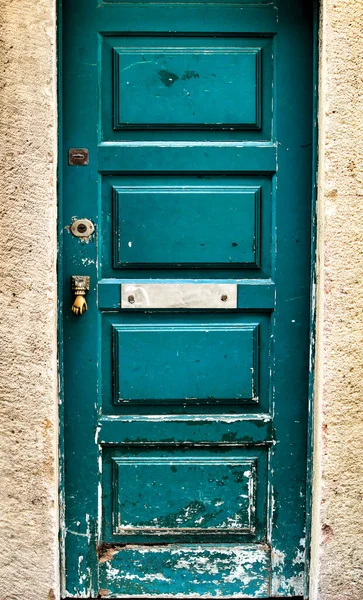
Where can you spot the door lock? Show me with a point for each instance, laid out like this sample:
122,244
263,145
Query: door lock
80,287
82,228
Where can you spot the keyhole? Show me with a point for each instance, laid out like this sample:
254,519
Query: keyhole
81,228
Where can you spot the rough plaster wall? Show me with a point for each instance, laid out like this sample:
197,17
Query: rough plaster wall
28,441
28,438
338,480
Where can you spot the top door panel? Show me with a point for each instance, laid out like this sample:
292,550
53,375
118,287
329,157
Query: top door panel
186,88
173,87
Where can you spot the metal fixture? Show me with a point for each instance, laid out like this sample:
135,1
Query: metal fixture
82,228
78,157
80,287
179,295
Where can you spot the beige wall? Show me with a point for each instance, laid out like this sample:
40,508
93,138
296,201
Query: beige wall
28,377
28,370
337,572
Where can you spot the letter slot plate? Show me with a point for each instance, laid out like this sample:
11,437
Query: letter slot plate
179,295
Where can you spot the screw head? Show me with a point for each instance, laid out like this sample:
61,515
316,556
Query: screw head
131,299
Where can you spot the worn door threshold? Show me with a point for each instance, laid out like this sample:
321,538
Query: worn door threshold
204,598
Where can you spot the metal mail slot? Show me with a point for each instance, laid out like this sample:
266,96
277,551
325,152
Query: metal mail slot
179,295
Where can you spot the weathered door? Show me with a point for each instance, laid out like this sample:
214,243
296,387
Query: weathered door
186,381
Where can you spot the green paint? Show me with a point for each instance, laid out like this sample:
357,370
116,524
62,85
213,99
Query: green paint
200,170
222,381
228,375
140,499
172,239
181,87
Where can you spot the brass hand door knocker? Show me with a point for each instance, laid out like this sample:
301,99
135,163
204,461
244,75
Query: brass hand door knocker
80,287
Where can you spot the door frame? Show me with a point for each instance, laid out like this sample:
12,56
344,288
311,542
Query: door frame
312,325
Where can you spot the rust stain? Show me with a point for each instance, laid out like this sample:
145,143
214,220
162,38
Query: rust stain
107,551
328,533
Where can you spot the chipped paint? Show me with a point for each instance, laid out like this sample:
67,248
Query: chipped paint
205,571
86,262
293,586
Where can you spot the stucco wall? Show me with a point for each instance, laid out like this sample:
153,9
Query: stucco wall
28,377
338,478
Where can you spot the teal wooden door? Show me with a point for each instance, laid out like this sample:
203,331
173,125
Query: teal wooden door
186,381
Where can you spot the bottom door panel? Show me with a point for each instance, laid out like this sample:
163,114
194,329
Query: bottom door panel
192,570
186,517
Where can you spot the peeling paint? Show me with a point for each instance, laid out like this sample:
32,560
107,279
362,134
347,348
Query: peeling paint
216,569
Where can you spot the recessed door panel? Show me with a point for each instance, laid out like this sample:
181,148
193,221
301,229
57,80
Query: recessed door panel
180,86
205,512
188,87
187,223
187,226
164,363
151,364
222,495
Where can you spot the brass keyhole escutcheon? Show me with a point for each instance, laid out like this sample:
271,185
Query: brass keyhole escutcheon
80,287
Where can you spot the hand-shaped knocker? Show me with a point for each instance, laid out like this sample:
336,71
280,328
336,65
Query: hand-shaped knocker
80,287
